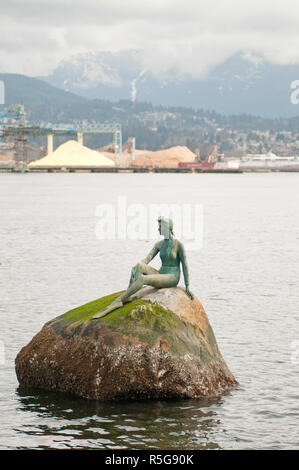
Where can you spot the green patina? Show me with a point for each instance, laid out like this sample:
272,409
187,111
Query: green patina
143,319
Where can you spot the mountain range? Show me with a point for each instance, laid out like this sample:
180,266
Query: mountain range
38,96
241,84
153,126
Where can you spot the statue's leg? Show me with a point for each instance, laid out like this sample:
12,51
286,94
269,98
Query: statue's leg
138,273
161,281
141,268
155,280
134,287
118,302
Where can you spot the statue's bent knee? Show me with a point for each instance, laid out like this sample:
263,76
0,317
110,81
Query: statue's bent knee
139,266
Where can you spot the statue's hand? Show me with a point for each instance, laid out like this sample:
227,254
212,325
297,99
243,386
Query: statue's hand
189,293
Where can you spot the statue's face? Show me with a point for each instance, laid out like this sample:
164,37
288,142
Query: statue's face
164,229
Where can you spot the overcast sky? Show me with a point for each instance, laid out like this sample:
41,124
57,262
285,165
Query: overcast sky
189,35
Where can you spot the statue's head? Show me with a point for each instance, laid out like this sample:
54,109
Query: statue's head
165,227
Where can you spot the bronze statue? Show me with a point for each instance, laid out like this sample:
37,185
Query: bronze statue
172,254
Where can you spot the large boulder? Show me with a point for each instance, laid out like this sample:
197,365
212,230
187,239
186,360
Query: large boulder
158,345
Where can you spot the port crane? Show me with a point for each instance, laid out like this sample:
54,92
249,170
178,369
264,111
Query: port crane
12,116
13,125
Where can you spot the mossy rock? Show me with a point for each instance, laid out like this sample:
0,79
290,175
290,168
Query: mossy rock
158,345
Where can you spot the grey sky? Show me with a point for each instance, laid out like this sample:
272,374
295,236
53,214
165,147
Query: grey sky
190,36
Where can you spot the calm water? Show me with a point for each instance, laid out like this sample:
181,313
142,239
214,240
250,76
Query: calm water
246,275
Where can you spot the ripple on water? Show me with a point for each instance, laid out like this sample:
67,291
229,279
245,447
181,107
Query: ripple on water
246,276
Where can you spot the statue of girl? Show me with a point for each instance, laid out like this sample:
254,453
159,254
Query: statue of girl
172,254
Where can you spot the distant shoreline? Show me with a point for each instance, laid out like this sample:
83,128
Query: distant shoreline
116,170
146,170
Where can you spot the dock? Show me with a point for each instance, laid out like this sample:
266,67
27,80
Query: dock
14,169
119,169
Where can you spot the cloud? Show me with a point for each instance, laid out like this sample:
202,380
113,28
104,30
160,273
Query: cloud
176,37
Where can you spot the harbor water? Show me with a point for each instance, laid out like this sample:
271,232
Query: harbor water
245,273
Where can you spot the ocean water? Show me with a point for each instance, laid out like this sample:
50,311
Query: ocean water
245,274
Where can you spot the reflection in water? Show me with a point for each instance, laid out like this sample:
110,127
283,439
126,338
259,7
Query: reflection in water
62,421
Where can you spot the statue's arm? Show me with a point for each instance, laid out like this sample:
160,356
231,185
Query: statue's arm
183,259
151,254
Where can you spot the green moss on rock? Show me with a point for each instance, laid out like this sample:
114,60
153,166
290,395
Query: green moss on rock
159,345
140,318
85,312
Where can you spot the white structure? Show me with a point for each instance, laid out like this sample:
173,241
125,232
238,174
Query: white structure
270,156
261,161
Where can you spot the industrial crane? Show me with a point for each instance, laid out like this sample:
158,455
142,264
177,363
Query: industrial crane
13,125
13,116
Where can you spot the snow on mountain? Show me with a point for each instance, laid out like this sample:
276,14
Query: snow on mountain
244,83
85,73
